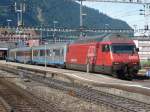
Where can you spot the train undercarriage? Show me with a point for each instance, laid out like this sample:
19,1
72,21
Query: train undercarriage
125,71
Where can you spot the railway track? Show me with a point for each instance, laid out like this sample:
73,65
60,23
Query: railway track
98,97
19,100
116,103
4,107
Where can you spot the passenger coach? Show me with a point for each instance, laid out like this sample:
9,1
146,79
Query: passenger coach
22,55
55,54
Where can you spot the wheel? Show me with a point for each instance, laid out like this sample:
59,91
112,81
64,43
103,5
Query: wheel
119,74
114,74
129,77
60,66
34,63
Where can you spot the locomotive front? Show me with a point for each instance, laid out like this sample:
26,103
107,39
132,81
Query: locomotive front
125,60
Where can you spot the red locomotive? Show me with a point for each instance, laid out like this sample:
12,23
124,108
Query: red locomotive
112,54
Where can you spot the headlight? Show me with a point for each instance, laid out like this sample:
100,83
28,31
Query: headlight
116,63
134,63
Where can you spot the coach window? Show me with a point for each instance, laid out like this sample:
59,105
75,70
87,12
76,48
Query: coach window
47,52
35,52
57,52
42,52
62,52
105,48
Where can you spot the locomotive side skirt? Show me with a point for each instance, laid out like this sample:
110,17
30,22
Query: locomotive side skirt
95,68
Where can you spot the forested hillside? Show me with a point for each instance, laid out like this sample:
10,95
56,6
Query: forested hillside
64,11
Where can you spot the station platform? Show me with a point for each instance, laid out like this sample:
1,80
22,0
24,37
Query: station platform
137,86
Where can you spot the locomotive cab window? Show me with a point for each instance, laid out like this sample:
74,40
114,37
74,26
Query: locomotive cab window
105,48
123,48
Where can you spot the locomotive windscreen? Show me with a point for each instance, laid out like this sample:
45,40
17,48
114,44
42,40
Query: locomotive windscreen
123,48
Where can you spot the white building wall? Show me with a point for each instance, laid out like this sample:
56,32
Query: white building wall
144,48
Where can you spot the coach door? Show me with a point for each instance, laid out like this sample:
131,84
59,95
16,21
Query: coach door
105,57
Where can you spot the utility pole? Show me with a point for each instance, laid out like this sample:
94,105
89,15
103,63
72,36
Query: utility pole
135,28
54,29
20,11
41,34
146,13
81,17
8,22
81,11
45,55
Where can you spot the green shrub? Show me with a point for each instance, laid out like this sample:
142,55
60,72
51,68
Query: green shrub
145,63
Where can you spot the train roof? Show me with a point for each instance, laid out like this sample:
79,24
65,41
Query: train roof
39,47
50,45
105,38
21,48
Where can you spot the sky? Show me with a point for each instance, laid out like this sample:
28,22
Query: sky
126,12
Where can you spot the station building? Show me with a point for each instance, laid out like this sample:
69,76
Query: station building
143,43
15,35
12,39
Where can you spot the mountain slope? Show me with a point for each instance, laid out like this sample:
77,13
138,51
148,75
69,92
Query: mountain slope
64,11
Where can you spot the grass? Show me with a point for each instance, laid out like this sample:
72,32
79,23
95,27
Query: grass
145,63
